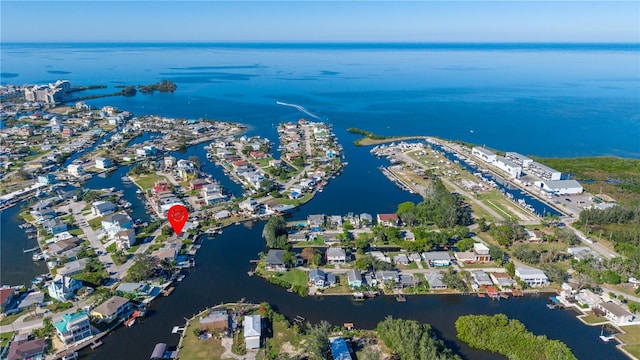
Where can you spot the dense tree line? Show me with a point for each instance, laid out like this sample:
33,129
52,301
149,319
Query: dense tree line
409,339
439,207
275,233
620,224
509,337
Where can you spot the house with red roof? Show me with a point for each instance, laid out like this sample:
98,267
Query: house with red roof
388,219
6,295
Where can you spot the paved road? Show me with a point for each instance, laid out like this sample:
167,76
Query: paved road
20,325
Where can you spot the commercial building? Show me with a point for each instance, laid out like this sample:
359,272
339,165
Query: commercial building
514,170
544,172
483,154
562,187
519,159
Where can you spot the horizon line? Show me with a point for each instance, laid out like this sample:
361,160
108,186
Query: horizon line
328,42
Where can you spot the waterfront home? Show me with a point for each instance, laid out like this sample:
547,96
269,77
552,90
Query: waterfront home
103,163
47,179
366,219
215,323
532,277
63,288
43,215
252,325
299,236
169,162
102,208
31,299
317,277
437,258
480,278
116,222
387,276
335,220
331,279
502,279
339,349
615,313
75,170
62,246
370,280
73,328
25,349
582,253
166,253
274,261
125,239
249,206
197,184
137,289
6,296
161,187
336,255
316,222
112,309
54,226
435,281
586,297
354,278
73,267
222,214
388,219
401,259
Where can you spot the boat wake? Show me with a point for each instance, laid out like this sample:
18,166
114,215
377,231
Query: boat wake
300,108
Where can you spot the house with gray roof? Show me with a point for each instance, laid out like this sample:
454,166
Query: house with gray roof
316,222
317,277
355,278
336,255
275,261
108,311
73,267
437,258
435,281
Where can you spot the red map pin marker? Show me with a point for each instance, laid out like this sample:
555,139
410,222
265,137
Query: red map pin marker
177,215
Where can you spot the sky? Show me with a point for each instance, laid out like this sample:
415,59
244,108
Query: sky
314,21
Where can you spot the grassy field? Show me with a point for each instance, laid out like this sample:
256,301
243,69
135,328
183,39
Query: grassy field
633,350
632,335
296,277
591,319
618,177
95,223
284,338
194,348
11,318
147,181
5,337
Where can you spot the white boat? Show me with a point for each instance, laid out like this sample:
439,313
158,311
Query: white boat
37,256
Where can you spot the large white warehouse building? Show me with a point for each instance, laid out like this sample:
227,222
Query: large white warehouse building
513,169
484,154
562,187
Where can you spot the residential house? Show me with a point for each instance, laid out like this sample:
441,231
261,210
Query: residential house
252,325
586,297
167,253
6,296
47,179
75,170
482,252
331,279
339,349
214,323
115,223
437,258
336,255
43,215
161,187
387,276
73,267
25,349
380,256
316,222
103,163
296,237
125,239
62,246
197,184
335,220
532,277
388,219
30,299
407,280
102,208
615,313
435,281
54,226
366,219
249,206
401,259
138,289
317,277
274,261
354,278
73,328
169,162
480,278
503,280
63,288
407,235
112,309
582,253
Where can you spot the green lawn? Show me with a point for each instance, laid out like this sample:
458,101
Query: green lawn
133,248
95,223
76,232
5,337
591,318
111,248
193,348
282,334
632,335
26,216
11,318
296,277
633,350
147,181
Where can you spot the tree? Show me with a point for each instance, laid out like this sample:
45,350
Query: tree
453,280
308,254
275,232
142,268
408,339
634,307
289,258
465,244
197,163
511,268
318,340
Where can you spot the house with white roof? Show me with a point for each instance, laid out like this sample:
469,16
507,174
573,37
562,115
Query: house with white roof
532,277
252,326
63,288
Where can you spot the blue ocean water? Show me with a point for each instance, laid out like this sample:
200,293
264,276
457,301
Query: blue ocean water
538,99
